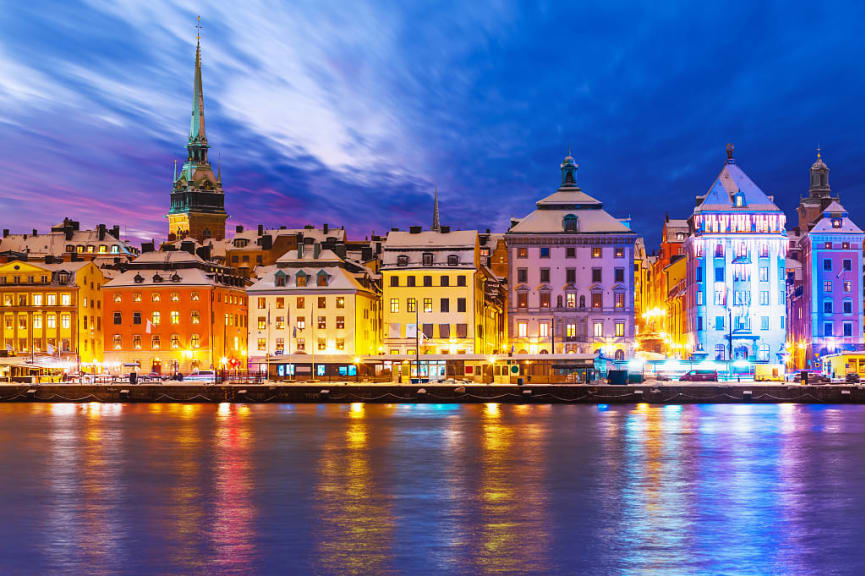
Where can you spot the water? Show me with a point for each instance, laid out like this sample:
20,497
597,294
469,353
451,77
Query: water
405,489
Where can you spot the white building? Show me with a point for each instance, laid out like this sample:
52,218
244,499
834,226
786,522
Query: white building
736,290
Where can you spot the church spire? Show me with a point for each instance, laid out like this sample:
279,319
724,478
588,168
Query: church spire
197,145
819,177
435,226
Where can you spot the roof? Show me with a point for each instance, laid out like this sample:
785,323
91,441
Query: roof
460,239
184,277
835,220
339,279
729,183
54,243
588,222
251,235
168,257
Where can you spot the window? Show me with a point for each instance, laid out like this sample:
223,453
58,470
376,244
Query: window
118,343
620,299
394,281
764,273
522,329
154,342
453,260
847,265
596,275
340,343
597,300
66,299
719,250
155,297
262,323
154,318
301,322
719,323
545,299
322,302
545,252
175,317
569,223
409,281
118,318
340,301
827,307
411,305
764,250
522,275
321,279
720,352
262,303
571,330
279,280
619,253
427,305
719,273
445,305
301,344
543,330
280,303
136,341
764,323
301,302
394,305
848,329
522,300
461,280
51,320
195,341
848,307
402,260
619,275
699,323
427,259
699,273
620,328
136,297
570,275
571,299
545,274
462,330
827,245
827,286
570,252
699,298
461,304
598,329
596,252
827,329
445,281
827,264
427,281
51,300
340,322
65,321
764,298
522,252
280,344
280,323
175,297
301,281
322,323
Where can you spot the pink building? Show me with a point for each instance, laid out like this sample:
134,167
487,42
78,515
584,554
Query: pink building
570,276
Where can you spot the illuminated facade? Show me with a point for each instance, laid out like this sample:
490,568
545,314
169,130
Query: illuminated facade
175,310
736,297
313,306
67,241
197,201
53,311
825,304
571,280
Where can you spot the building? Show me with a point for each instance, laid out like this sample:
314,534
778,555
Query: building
675,310
570,280
197,200
313,312
263,246
175,311
825,289
435,279
736,272
66,241
53,310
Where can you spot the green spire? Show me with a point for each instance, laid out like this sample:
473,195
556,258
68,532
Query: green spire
197,137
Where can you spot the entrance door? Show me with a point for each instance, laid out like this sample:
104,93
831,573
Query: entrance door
156,368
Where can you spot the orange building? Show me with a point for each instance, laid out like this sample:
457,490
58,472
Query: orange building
175,311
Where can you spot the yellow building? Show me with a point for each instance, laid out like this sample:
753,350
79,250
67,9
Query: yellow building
53,311
313,312
435,279
675,339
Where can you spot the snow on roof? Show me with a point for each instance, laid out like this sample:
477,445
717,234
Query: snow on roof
185,277
324,256
731,181
339,279
588,222
569,195
167,257
55,243
835,220
459,239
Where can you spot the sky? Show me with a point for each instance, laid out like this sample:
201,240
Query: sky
351,113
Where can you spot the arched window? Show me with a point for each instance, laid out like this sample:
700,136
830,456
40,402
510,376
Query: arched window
569,223
583,301
620,354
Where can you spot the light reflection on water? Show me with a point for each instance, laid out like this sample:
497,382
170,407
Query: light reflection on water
420,489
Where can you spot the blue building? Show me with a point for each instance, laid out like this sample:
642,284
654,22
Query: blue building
736,286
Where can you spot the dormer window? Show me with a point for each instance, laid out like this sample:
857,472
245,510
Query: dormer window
427,259
569,223
321,279
738,199
453,260
402,260
301,279
836,222
280,279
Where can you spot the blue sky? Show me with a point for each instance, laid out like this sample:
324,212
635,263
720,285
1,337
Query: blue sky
349,113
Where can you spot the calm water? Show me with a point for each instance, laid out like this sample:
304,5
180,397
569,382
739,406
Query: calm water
374,489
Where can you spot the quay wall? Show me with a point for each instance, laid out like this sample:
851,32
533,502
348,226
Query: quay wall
436,394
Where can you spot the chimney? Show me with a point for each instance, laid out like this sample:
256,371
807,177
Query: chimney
5,232
266,242
115,231
49,259
145,247
316,250
100,230
366,253
188,246
35,232
415,230
203,252
238,229
260,229
324,228
445,229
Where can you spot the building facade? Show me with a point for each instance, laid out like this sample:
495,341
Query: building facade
736,272
197,200
173,311
571,281
434,279
67,241
53,311
312,308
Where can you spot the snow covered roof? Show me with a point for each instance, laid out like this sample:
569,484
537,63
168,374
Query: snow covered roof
835,220
592,221
338,279
460,239
162,278
730,185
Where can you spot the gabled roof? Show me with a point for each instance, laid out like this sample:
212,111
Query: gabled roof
835,212
460,239
730,182
566,196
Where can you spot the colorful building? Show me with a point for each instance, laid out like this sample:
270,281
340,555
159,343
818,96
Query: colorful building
173,311
313,312
248,249
825,296
53,311
736,292
571,281
197,200
66,241
435,279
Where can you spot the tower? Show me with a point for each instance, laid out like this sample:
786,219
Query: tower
197,200
811,207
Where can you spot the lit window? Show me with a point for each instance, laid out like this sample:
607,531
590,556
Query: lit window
522,329
155,342
117,342
66,299
427,304
195,341
394,305
51,298
262,323
598,329
154,318
571,330
196,317
136,297
136,341
37,299
340,302
194,296
175,341
175,317
543,330
175,297
155,297
620,328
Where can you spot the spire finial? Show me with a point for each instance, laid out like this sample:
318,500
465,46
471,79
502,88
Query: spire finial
819,149
198,28
730,149
175,170
435,225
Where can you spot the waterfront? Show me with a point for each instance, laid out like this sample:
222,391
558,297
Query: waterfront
417,489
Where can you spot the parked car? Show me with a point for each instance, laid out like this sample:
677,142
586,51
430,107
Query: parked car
699,376
206,376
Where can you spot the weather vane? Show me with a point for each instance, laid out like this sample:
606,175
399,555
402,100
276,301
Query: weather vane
198,28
